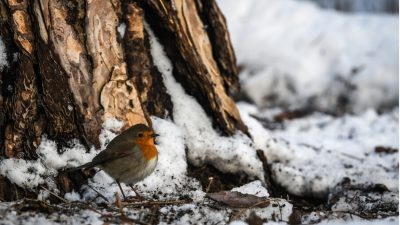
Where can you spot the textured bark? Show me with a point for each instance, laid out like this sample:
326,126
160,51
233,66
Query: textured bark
146,77
216,27
188,44
70,70
62,26
22,132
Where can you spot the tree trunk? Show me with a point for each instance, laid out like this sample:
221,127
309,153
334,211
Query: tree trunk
69,69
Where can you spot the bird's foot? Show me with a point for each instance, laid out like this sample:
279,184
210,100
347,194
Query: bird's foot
137,195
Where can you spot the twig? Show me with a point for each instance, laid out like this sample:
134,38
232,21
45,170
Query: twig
280,210
210,181
153,218
122,216
89,207
353,213
352,156
118,203
168,202
99,194
55,195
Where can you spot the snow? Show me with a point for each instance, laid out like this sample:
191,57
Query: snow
205,145
31,173
10,217
313,57
254,188
72,196
386,221
170,173
24,173
3,55
306,150
313,152
204,214
373,6
294,55
121,29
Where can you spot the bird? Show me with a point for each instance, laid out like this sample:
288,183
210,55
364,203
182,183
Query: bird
129,157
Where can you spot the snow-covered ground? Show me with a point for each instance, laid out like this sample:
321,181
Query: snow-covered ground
296,55
293,55
370,6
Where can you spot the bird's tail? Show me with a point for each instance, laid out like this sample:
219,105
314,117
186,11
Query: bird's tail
84,166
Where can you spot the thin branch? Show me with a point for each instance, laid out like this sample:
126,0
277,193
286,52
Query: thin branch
99,194
54,194
167,202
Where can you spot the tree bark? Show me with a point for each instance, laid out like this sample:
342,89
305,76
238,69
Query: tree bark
70,70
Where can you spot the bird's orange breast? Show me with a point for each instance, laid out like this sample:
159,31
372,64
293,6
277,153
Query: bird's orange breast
149,152
148,148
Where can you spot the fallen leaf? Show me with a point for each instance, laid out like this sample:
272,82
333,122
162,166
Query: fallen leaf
386,150
238,200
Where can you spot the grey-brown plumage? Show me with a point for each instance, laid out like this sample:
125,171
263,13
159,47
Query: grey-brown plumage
129,157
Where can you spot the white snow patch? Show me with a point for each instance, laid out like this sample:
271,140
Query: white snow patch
238,222
170,174
86,217
3,55
370,6
230,154
70,157
10,217
121,29
359,221
192,212
298,54
259,134
312,154
253,188
72,196
31,173
111,127
24,173
204,215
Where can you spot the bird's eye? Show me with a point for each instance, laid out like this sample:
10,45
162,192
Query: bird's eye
140,135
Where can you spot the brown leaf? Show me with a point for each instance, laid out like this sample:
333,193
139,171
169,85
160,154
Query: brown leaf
238,200
386,150
291,115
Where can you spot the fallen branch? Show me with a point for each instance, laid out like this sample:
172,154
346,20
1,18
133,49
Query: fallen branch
150,203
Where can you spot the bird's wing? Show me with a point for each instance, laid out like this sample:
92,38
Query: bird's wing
122,141
115,151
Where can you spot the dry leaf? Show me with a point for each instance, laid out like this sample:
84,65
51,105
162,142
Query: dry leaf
238,200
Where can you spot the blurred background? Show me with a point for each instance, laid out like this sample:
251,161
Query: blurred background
335,56
374,6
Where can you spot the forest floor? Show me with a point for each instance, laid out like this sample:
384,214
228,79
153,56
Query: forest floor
320,98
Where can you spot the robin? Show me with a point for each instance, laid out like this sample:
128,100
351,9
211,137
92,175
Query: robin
129,157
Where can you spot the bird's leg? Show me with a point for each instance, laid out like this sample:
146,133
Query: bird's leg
120,188
98,193
137,194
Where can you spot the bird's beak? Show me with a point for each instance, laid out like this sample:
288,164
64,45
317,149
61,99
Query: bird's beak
154,136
